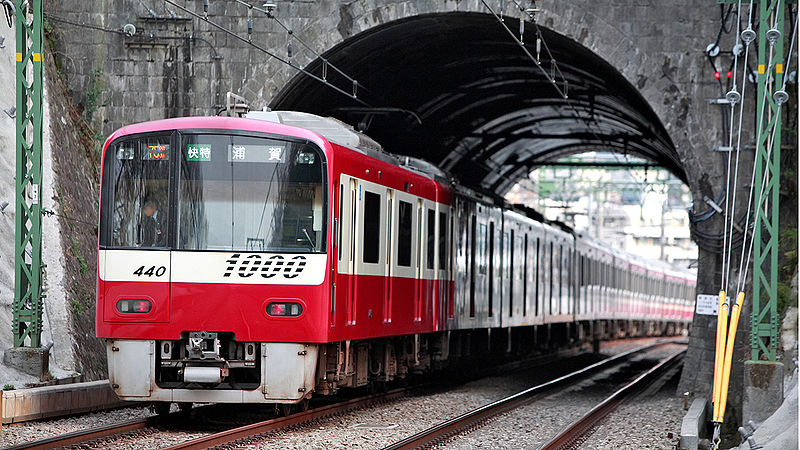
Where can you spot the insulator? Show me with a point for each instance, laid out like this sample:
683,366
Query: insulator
205,8
249,28
538,48
324,70
733,97
748,35
355,88
780,97
773,35
289,49
521,26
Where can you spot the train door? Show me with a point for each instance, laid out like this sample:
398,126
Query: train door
391,250
369,249
353,248
441,261
419,294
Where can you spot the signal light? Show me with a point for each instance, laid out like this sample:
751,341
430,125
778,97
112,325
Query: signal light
730,74
716,75
284,309
134,306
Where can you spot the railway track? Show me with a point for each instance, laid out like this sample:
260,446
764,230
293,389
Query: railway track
571,435
107,435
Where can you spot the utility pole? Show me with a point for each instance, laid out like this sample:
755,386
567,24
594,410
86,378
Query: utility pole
27,306
764,318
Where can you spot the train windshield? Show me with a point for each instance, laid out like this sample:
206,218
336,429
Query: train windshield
214,192
250,194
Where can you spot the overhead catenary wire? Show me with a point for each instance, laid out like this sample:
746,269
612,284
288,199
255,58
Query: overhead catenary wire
552,80
235,35
293,35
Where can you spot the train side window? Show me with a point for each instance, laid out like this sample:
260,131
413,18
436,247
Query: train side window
372,222
550,288
560,277
431,236
491,268
341,217
472,268
525,277
442,241
511,275
404,230
537,269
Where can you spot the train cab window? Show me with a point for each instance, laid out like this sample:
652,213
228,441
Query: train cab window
431,239
248,193
136,198
371,226
404,229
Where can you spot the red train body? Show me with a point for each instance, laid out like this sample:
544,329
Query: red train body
246,260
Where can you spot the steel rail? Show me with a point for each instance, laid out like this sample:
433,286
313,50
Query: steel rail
283,422
464,421
576,431
81,436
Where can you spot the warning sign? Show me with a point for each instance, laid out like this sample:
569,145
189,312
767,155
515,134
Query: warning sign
707,304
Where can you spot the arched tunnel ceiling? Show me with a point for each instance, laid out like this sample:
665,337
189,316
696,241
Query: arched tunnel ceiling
488,114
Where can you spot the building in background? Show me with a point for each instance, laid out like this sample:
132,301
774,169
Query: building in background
632,206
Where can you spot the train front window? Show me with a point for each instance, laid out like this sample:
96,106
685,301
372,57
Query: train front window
239,193
137,171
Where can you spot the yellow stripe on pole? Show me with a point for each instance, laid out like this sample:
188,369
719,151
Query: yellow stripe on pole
19,57
37,57
778,68
719,356
761,69
726,371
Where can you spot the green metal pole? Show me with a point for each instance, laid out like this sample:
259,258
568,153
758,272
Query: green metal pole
764,318
27,307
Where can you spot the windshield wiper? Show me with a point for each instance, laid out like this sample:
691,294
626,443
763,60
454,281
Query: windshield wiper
311,244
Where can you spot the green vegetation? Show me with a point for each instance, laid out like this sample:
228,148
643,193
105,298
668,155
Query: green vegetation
76,252
8,387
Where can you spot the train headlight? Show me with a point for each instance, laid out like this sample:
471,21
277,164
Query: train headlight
134,306
284,309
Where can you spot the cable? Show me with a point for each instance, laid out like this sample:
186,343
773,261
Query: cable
552,80
79,24
292,35
276,57
730,206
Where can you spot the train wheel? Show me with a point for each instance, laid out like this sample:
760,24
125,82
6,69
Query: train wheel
162,408
283,409
304,404
186,409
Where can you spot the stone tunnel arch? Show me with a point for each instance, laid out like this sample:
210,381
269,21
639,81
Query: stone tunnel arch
455,89
653,47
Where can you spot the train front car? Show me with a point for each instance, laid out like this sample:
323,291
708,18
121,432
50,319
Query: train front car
213,280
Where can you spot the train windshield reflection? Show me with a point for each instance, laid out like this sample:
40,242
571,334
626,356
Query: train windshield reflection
243,193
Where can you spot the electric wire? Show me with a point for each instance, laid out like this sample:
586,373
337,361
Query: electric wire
292,35
553,82
742,263
271,54
731,206
79,24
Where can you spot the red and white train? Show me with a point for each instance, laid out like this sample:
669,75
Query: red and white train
265,259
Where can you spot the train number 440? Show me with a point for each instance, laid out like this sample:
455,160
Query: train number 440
152,271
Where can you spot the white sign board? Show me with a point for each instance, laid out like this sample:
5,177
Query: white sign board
707,304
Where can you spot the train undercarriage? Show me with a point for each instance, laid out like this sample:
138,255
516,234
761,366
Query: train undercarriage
213,367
